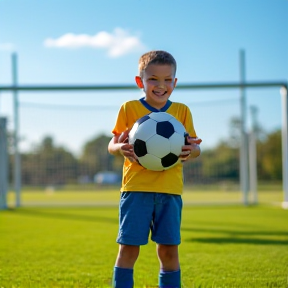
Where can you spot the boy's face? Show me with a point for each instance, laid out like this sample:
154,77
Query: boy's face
158,82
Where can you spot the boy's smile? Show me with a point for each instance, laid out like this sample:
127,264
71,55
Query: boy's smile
159,92
158,82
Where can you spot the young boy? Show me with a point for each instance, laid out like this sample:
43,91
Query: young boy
151,200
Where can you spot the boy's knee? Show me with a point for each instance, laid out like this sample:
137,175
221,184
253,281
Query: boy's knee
129,250
167,252
127,255
168,257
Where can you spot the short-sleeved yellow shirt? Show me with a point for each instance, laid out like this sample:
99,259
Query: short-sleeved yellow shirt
137,178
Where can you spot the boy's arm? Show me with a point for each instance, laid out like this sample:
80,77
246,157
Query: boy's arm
119,145
114,146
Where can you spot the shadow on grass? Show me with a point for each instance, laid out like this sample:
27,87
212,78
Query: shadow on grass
65,216
231,240
237,232
237,237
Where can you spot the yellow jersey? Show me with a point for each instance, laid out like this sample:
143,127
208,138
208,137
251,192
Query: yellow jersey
137,178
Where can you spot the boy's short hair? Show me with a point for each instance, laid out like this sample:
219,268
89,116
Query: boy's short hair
156,57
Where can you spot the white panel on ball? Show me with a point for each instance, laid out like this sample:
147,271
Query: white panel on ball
175,139
154,163
144,132
158,146
160,116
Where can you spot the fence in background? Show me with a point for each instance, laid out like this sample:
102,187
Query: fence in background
67,169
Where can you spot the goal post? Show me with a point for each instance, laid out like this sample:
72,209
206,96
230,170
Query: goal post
3,163
284,95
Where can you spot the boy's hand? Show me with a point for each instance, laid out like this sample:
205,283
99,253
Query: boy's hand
191,148
123,138
126,149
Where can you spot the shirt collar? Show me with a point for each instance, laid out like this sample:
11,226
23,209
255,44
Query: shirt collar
152,109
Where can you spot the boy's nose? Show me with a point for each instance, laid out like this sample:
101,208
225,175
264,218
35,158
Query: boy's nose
161,84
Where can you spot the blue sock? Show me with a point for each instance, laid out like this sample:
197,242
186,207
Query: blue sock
123,278
170,279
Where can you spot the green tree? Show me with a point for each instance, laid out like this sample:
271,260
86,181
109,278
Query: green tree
95,156
49,165
269,157
221,162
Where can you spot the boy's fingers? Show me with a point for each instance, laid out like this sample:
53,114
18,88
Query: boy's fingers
185,153
127,147
196,140
123,138
189,139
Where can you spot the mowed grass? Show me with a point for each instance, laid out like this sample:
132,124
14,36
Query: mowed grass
109,196
74,247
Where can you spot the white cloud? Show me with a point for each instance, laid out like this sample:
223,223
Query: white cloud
7,47
118,43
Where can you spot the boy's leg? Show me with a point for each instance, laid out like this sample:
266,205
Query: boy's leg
170,275
135,214
168,257
127,256
166,233
123,270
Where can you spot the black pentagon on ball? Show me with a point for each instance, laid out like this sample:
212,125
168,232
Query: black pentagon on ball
140,148
165,129
169,160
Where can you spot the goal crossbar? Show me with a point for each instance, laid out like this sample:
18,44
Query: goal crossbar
69,87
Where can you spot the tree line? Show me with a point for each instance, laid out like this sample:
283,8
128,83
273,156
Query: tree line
49,164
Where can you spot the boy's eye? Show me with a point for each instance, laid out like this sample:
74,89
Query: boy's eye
168,80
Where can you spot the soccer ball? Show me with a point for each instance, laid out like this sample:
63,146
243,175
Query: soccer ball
157,139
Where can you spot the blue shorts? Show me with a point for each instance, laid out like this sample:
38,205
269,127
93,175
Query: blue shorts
142,212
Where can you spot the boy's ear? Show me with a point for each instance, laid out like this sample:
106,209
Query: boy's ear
175,82
139,82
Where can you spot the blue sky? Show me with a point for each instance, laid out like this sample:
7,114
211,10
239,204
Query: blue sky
100,42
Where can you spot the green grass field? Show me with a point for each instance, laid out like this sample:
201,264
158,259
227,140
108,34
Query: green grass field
222,245
109,196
